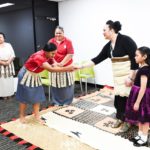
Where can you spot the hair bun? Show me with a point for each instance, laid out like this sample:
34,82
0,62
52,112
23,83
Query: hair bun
117,26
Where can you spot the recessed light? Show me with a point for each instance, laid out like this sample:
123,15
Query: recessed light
6,5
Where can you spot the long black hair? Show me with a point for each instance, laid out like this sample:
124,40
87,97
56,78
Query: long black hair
145,51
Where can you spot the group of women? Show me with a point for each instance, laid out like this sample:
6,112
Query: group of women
57,58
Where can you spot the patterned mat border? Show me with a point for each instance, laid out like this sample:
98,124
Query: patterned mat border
18,140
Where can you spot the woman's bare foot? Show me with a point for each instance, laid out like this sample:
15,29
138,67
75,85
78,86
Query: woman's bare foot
23,120
39,120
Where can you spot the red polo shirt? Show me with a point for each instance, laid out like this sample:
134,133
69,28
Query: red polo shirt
63,48
36,60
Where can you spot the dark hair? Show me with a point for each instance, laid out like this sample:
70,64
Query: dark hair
59,27
114,25
145,51
49,47
3,34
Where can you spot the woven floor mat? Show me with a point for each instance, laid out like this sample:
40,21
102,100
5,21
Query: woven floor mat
38,137
90,135
84,125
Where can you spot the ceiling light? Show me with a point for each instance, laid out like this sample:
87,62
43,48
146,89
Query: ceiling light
6,4
56,0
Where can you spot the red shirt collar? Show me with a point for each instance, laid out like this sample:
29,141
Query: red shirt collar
61,41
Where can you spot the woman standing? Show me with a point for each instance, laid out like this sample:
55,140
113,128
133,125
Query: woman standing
121,50
62,84
7,56
30,90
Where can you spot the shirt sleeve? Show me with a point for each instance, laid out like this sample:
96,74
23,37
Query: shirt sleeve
131,47
144,71
39,60
70,49
11,50
51,40
102,55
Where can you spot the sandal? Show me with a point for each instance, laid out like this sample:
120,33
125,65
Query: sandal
117,124
125,127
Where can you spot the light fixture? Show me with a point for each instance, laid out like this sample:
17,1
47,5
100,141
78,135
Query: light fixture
6,5
56,0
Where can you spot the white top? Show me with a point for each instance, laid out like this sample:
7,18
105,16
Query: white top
6,52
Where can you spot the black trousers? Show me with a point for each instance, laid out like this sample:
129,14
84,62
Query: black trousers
120,105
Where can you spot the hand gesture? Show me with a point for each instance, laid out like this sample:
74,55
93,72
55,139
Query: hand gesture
55,64
77,67
136,106
6,63
60,64
70,68
128,82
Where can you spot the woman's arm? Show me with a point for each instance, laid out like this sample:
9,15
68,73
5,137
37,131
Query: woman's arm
99,58
131,47
50,68
10,60
87,64
3,63
104,54
142,90
132,75
6,63
67,58
130,79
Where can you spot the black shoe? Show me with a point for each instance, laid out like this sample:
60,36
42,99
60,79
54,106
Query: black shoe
135,139
138,144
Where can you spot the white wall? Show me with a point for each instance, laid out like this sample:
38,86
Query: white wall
83,22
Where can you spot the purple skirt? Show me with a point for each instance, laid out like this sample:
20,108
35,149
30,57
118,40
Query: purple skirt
143,114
